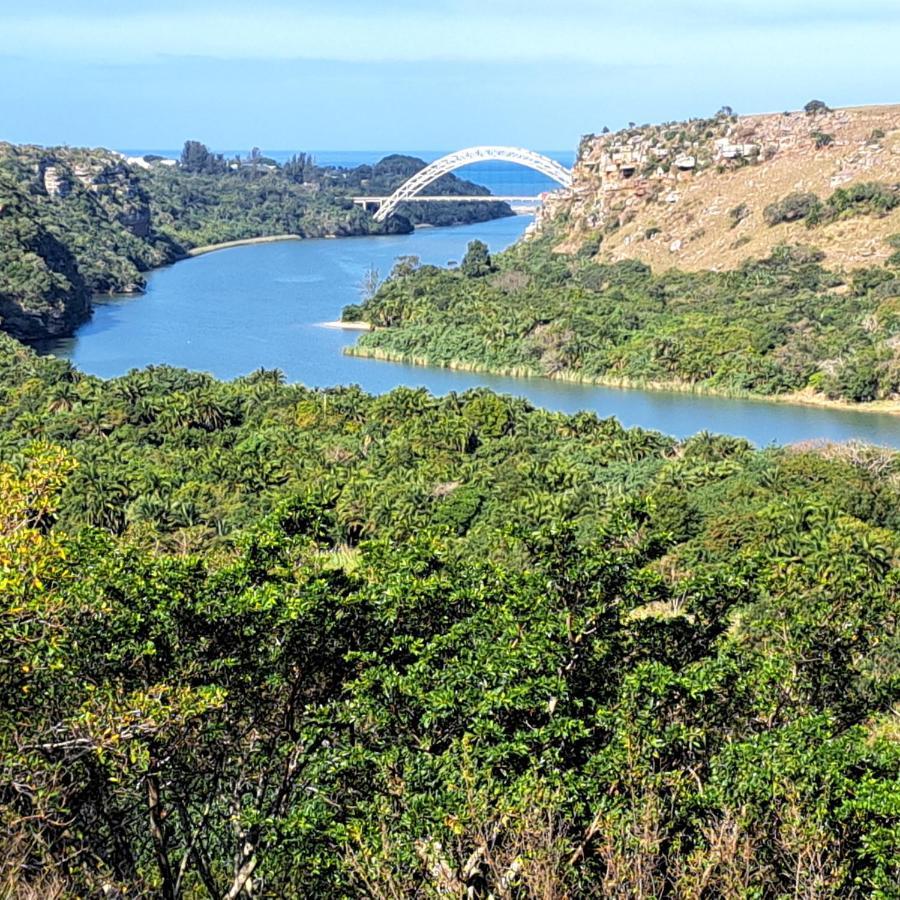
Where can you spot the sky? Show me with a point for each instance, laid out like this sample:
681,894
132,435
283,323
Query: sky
423,74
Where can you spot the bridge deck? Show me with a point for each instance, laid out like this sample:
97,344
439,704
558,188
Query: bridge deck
453,198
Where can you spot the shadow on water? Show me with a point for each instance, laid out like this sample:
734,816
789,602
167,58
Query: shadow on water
237,310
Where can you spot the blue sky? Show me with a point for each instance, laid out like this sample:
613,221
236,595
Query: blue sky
429,74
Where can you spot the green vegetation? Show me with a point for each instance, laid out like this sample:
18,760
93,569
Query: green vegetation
201,208
91,235
816,106
860,199
388,174
78,222
264,640
216,203
791,208
773,326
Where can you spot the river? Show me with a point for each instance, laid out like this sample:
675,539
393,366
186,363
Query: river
237,310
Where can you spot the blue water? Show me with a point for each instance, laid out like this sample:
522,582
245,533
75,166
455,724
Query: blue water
235,310
500,178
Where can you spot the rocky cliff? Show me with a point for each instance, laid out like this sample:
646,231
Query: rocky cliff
709,193
74,222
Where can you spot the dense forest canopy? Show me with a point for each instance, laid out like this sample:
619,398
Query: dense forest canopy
780,325
261,640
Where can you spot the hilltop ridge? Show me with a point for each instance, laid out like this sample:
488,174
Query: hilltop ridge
694,195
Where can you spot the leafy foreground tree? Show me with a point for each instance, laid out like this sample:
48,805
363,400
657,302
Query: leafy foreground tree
448,647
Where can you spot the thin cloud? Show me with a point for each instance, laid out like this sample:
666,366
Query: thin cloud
635,34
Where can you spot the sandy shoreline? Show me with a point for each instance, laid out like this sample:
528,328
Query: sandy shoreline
347,326
225,245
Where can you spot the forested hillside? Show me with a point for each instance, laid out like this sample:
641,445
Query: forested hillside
76,222
266,641
780,326
218,203
71,226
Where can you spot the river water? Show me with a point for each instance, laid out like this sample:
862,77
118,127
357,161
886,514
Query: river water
237,310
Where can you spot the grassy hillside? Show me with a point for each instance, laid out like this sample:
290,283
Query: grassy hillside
739,255
694,195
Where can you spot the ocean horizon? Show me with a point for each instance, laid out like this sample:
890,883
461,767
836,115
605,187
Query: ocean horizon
498,177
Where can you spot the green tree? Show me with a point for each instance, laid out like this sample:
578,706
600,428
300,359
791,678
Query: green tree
477,261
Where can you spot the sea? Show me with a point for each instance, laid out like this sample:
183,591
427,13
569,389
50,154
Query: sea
499,178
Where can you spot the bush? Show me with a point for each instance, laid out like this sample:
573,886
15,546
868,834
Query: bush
865,197
858,379
738,214
792,208
816,106
822,139
591,246
477,261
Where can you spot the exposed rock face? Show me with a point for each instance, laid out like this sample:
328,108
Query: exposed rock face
56,184
117,190
72,222
692,194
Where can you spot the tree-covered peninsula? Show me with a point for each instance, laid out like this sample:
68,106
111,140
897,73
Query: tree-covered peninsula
260,640
77,222
783,326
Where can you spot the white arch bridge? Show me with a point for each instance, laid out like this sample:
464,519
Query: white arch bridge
411,189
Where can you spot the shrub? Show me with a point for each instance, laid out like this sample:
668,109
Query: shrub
822,139
738,214
865,197
591,246
858,379
792,208
477,261
815,106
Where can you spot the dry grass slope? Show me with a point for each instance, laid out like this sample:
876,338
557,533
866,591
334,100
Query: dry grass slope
669,195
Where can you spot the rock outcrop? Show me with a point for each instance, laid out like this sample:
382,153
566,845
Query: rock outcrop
692,194
74,222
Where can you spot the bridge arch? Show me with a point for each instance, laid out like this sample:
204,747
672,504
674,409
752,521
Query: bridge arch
446,164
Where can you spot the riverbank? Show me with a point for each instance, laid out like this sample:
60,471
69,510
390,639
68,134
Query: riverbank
264,307
347,326
796,398
226,245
